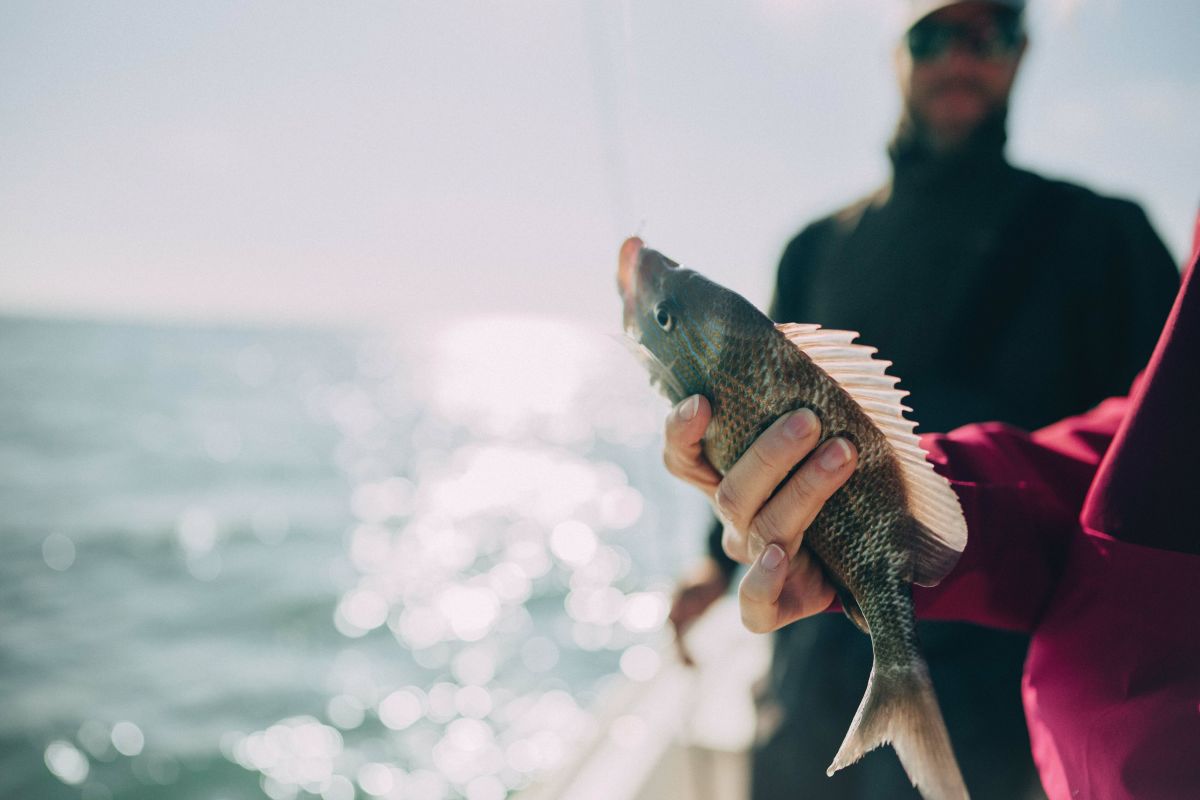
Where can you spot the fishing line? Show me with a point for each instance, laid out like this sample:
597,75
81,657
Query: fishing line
613,82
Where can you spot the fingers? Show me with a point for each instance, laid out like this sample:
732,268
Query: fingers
763,467
788,514
682,452
767,508
762,511
776,592
760,589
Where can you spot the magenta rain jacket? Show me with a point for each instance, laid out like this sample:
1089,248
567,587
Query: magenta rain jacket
1086,535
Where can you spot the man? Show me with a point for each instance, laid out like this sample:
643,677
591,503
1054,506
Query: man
997,295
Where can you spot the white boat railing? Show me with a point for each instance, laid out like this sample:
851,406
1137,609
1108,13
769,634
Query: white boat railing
682,735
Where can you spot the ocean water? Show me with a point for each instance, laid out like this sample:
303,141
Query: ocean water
295,563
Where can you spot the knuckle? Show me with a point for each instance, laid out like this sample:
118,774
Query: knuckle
727,502
733,543
729,541
762,451
675,462
766,528
809,488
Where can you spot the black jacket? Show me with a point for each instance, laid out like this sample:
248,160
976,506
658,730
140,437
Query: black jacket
996,293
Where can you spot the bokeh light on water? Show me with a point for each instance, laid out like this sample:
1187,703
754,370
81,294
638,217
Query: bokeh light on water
495,546
328,565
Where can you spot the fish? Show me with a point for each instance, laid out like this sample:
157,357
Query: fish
895,521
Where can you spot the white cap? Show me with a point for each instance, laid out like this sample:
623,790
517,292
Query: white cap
920,9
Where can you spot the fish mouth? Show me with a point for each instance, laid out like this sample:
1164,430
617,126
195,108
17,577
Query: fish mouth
627,282
627,263
638,268
640,277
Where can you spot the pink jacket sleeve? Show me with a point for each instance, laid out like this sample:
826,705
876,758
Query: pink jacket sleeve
1021,494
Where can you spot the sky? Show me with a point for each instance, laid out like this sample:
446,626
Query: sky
406,164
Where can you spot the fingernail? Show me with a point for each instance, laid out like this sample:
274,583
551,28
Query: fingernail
836,453
801,423
688,410
773,556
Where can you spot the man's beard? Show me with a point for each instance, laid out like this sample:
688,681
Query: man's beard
915,132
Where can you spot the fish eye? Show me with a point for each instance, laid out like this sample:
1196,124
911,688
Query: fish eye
663,317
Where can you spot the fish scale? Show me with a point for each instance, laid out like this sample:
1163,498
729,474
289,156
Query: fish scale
874,492
892,522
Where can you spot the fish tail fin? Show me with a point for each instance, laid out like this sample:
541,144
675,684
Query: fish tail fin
900,707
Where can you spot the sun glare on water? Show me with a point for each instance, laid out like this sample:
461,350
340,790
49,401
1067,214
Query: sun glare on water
507,376
491,548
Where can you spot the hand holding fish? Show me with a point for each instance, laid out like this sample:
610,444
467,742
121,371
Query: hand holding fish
874,518
766,511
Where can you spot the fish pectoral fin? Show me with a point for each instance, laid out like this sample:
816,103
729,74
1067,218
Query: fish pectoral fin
850,606
931,558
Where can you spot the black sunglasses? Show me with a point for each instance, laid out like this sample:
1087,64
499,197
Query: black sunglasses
929,39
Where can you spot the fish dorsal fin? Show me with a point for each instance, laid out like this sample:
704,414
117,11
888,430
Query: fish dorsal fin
941,532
